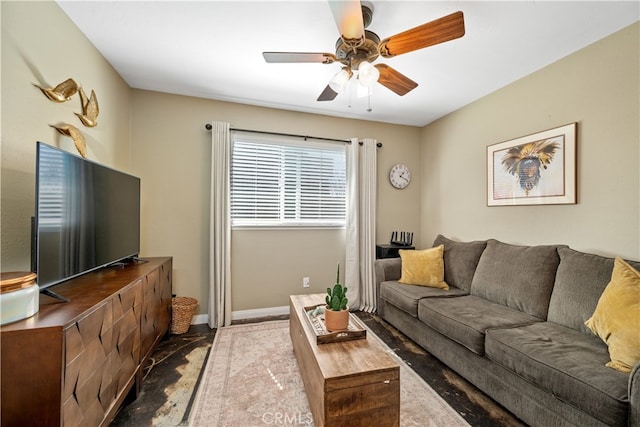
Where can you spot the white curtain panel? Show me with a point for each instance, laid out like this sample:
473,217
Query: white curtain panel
220,227
361,224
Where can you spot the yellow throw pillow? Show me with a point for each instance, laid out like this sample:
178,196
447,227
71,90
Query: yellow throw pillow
616,319
423,267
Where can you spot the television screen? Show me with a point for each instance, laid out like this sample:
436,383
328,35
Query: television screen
87,216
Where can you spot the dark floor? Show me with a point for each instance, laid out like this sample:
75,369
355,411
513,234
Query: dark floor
173,373
163,372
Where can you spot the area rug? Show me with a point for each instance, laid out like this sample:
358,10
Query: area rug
252,379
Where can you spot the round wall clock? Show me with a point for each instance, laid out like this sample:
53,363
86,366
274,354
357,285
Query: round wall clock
400,176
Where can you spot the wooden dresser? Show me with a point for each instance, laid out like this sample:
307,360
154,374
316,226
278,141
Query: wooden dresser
73,363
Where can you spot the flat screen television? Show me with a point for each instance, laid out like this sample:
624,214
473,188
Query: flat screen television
87,216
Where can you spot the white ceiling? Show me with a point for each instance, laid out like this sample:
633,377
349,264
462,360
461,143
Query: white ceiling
213,49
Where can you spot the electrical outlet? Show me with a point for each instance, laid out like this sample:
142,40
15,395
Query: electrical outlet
306,282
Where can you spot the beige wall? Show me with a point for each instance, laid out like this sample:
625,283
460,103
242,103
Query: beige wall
41,45
171,153
598,87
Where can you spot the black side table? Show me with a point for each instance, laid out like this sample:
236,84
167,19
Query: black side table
390,250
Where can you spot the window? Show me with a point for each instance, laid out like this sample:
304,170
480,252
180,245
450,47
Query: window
277,181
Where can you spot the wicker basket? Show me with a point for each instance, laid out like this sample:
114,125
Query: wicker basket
183,309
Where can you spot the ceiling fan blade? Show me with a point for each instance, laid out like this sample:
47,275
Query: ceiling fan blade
315,57
394,80
327,94
441,30
348,17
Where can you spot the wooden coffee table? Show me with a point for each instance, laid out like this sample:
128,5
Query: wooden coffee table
349,383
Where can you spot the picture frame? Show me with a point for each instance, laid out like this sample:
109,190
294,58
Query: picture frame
536,169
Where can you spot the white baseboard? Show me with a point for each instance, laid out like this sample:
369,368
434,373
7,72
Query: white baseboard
200,319
260,312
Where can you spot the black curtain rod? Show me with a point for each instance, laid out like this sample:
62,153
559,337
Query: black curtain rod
209,127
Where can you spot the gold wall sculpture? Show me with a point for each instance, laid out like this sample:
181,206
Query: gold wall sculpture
62,92
75,134
90,109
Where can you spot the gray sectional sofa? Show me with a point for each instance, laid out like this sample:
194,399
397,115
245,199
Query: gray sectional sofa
512,324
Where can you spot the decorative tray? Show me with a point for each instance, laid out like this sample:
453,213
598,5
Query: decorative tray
355,331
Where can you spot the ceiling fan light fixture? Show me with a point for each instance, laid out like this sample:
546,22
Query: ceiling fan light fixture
367,74
348,17
339,82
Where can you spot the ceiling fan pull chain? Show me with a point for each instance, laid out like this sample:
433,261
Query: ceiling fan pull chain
369,101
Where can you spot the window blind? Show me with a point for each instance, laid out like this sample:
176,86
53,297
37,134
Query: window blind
284,183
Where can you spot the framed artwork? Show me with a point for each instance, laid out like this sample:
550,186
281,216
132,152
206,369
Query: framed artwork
538,169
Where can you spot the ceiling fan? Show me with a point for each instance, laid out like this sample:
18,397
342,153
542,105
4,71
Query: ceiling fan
357,48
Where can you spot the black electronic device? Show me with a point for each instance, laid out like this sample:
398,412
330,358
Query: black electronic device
87,216
404,239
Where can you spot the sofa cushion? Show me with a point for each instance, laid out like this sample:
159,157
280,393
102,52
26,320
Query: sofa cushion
520,277
460,260
406,297
564,362
465,319
580,280
616,319
423,267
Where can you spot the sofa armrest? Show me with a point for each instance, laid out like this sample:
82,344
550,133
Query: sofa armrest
387,269
634,396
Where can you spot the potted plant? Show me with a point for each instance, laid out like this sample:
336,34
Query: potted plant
336,313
